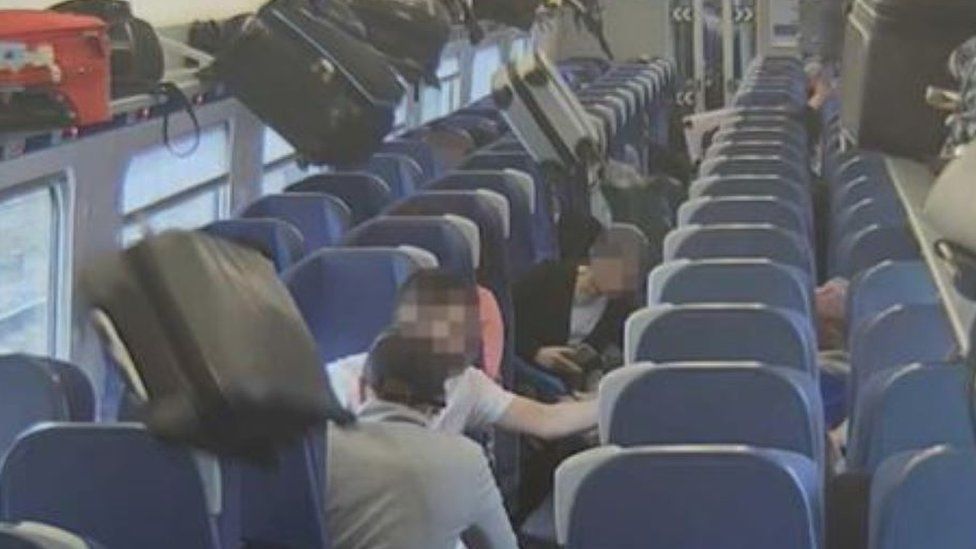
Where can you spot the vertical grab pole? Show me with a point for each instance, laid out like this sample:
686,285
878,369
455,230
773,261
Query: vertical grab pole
728,51
698,43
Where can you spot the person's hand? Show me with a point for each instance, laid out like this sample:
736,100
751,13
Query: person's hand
557,359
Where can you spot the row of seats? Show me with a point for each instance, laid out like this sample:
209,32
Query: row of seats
343,243
713,432
910,425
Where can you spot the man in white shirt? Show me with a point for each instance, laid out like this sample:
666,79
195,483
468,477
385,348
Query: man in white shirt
442,309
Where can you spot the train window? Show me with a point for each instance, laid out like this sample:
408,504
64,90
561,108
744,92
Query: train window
281,166
31,239
435,102
519,47
400,116
163,190
486,62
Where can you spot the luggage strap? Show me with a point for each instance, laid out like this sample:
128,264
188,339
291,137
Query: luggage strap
177,100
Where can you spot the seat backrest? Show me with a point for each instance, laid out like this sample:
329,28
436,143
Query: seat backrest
924,499
765,185
783,148
740,241
745,209
321,218
881,210
347,296
439,235
731,281
277,240
494,271
518,188
873,245
114,483
720,332
365,194
885,285
753,165
903,334
282,506
734,497
482,130
400,172
544,227
713,403
910,408
419,151
31,392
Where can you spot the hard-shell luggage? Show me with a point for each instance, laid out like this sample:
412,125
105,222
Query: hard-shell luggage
894,50
312,76
50,63
206,332
137,55
546,115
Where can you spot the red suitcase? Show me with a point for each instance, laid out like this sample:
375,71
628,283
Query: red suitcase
62,54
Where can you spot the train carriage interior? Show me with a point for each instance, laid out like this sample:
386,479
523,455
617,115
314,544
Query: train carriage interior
487,274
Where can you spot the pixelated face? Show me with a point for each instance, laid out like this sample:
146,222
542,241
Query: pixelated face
450,325
614,273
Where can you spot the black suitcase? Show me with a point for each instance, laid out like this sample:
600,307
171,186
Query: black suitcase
213,340
893,50
311,75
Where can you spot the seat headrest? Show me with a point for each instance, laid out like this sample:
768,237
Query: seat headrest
421,257
525,183
500,203
471,234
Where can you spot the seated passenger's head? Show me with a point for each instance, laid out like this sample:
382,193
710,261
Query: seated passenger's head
608,268
831,314
440,310
400,369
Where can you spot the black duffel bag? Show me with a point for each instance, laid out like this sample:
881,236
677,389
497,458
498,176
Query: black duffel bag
311,75
212,339
137,56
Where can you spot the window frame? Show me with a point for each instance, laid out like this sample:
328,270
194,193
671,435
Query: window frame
220,184
57,187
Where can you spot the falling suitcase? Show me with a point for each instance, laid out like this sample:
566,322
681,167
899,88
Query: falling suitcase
894,50
208,335
309,76
546,116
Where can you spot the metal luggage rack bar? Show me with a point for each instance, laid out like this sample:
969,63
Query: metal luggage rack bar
913,180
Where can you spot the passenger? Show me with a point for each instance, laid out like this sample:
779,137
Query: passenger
396,482
570,315
442,309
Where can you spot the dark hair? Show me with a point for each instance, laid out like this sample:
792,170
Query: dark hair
577,235
437,287
402,370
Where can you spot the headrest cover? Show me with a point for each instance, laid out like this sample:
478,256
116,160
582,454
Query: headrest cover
525,183
501,204
423,258
470,230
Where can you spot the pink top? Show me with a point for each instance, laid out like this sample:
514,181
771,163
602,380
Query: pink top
492,333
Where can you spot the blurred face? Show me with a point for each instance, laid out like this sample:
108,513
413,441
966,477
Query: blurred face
613,273
451,326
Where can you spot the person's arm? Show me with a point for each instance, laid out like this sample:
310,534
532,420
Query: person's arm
549,421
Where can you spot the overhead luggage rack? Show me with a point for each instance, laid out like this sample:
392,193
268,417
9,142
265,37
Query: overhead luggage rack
913,180
127,110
